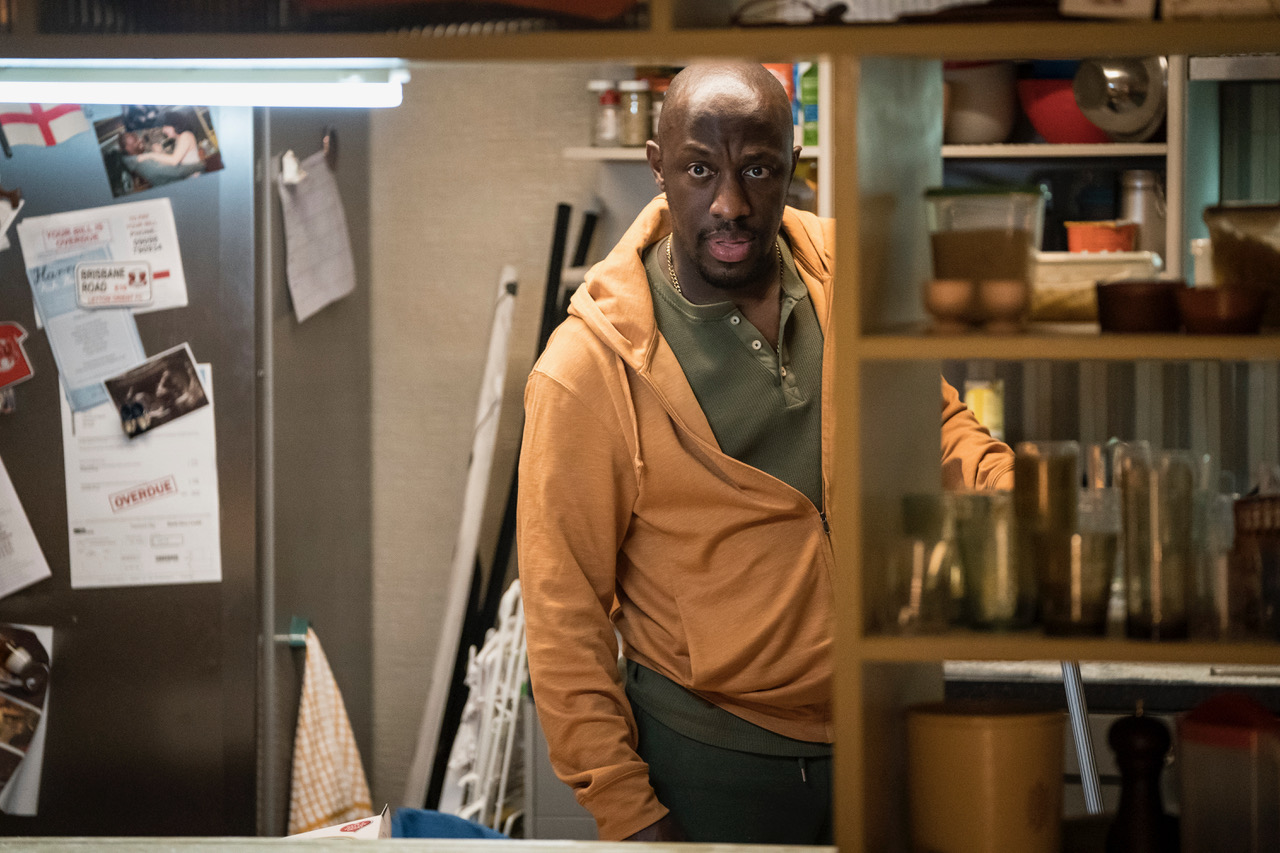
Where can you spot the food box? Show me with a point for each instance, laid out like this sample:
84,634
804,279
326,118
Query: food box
1062,283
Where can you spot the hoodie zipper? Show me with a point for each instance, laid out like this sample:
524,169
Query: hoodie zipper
826,528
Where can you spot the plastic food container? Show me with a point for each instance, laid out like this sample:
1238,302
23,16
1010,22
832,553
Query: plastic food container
1063,283
1245,240
980,233
1109,235
1229,749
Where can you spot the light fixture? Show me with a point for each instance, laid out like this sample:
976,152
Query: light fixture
359,83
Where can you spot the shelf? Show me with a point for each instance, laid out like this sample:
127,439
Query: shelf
1068,342
636,154
1024,646
1045,150
1039,39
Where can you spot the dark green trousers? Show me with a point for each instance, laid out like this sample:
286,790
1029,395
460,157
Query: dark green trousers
727,796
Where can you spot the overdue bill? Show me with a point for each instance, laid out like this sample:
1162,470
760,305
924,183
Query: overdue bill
142,511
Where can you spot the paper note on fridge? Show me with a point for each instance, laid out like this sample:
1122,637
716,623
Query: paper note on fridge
142,511
140,234
22,563
318,263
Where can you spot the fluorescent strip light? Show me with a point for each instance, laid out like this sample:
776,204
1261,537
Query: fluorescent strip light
271,85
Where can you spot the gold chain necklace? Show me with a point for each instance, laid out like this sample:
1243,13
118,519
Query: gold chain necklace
671,267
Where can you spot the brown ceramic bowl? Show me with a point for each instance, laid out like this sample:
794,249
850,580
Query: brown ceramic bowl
1230,310
1139,305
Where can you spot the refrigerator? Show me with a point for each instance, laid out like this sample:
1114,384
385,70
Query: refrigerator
170,705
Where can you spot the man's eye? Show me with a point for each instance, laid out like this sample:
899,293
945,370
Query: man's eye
697,170
757,172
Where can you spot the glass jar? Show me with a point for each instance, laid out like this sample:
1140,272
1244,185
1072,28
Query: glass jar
999,589
657,94
1156,498
606,121
636,118
919,596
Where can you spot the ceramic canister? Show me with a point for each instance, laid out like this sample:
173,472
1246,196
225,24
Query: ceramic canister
984,777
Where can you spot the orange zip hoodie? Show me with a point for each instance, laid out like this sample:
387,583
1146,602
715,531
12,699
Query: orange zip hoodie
630,517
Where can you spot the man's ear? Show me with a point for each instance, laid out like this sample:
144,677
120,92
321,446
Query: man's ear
653,153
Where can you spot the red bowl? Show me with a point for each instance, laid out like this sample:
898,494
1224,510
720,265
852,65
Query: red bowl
1139,305
1051,107
1230,310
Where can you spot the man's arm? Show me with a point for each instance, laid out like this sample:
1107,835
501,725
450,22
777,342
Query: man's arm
182,146
577,487
971,458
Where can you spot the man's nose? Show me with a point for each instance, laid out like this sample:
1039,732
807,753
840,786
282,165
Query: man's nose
730,202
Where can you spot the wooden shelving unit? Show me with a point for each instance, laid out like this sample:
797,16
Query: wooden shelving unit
882,102
636,155
1034,151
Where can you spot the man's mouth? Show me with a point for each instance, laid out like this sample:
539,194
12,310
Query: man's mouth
729,248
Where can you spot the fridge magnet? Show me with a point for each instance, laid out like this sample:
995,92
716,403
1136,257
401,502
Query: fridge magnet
24,686
39,124
113,284
147,146
161,389
14,365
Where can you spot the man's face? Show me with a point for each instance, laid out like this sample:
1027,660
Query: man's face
726,169
131,143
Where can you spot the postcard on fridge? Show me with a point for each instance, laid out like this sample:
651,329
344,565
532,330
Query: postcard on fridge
88,346
24,709
142,511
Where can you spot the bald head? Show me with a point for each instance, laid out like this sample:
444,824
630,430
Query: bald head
725,88
724,156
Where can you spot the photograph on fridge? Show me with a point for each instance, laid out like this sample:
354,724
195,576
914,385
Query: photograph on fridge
146,145
157,391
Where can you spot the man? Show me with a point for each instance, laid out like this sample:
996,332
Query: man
144,163
673,485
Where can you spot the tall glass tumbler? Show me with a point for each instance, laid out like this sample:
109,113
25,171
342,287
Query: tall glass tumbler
1046,497
999,593
1156,498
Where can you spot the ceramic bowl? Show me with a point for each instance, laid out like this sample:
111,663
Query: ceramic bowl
1139,305
1051,108
1222,310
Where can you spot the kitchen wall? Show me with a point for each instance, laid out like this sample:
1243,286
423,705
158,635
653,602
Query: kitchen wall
464,178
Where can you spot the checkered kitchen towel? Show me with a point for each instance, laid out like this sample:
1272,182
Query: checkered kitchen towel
329,784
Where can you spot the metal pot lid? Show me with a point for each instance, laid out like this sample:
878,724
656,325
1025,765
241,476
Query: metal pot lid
1125,97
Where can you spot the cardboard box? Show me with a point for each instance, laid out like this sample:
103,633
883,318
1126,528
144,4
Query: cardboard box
375,826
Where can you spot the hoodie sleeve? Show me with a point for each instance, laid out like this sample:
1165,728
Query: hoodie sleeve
971,458
577,487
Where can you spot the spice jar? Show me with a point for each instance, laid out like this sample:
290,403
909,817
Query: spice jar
636,118
606,122
657,94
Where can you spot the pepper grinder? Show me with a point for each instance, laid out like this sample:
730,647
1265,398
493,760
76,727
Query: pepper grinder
1141,825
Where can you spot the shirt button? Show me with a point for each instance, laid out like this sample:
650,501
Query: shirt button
735,320
755,345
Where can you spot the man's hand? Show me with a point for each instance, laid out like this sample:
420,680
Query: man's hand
665,829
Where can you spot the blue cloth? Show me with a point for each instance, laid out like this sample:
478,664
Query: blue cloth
427,823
